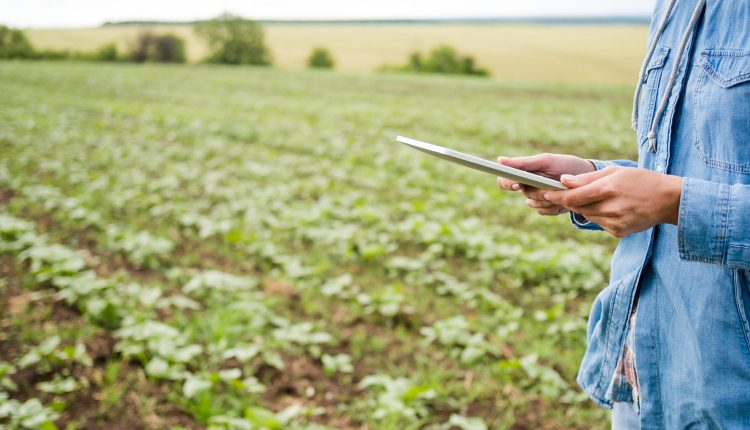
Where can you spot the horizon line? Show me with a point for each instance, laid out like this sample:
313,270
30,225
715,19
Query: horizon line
531,19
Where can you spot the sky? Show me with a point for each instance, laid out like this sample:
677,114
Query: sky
86,13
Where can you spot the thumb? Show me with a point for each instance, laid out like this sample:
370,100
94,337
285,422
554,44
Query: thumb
575,181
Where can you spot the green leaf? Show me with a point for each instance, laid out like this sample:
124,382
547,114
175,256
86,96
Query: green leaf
193,386
263,418
48,425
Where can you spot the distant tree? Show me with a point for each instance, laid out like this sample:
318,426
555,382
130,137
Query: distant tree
169,48
415,61
141,49
468,67
234,40
441,59
14,44
320,58
150,47
107,52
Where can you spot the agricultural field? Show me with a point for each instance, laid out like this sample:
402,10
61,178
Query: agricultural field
246,248
556,53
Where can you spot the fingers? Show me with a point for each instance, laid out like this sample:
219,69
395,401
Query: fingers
578,197
584,189
551,211
534,196
532,164
604,208
534,193
535,163
612,226
506,184
540,204
576,181
546,208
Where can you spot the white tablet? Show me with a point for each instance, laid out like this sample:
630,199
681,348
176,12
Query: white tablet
483,165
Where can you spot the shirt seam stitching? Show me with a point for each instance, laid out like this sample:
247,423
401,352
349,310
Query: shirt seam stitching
726,196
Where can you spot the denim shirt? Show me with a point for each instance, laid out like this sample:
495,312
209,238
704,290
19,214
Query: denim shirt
692,280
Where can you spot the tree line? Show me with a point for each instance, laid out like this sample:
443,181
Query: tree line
231,40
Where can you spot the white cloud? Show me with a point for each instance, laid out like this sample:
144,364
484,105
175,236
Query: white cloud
72,13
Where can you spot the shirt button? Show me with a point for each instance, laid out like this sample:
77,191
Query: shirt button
659,169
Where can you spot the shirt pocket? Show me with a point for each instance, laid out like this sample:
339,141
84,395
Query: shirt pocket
650,91
722,109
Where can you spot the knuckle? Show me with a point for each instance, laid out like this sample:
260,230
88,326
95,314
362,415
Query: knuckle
608,188
608,211
614,231
533,194
619,228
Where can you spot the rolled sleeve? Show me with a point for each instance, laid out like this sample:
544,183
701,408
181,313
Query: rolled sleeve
713,223
578,220
603,164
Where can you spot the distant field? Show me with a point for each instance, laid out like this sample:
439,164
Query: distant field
556,53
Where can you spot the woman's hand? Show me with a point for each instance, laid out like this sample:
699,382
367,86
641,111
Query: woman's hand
622,200
549,165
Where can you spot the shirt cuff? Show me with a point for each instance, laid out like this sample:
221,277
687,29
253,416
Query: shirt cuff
581,223
602,164
702,224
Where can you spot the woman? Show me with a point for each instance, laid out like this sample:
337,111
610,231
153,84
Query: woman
669,338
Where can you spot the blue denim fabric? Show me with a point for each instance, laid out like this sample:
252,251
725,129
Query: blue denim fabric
624,417
692,336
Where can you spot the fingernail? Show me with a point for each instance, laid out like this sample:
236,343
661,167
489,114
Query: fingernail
516,187
546,196
569,178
